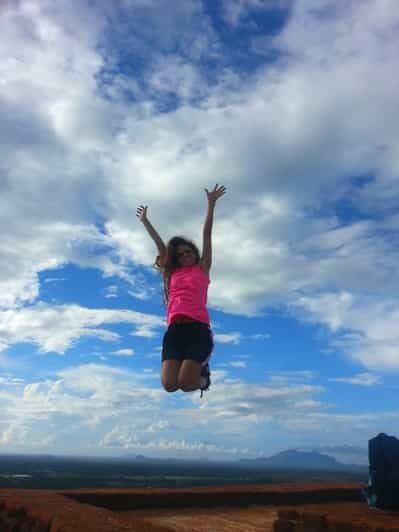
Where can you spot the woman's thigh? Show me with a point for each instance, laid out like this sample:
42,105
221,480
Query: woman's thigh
169,374
189,375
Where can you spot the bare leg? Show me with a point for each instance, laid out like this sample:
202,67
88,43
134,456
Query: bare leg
169,375
189,374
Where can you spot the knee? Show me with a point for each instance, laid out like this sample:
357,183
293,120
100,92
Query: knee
170,385
187,385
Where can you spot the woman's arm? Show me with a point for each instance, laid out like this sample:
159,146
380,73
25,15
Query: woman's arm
206,257
141,214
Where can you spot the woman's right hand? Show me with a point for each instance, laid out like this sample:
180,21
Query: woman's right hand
141,213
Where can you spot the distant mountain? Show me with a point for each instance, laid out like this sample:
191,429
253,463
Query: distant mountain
138,457
293,459
142,458
345,454
289,459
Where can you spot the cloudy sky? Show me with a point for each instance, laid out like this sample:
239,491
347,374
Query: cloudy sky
293,106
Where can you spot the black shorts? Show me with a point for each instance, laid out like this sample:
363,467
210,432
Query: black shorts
192,341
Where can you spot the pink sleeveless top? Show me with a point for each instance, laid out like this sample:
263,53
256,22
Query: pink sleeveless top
188,290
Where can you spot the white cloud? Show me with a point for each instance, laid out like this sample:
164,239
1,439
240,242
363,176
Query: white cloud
229,338
58,328
364,326
238,364
237,337
83,143
111,291
260,336
93,402
77,402
123,352
234,406
361,379
291,377
158,426
125,438
171,75
8,380
338,427
262,262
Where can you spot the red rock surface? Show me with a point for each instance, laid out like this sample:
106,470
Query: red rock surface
298,507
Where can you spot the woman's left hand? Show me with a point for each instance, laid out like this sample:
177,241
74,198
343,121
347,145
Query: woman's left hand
216,193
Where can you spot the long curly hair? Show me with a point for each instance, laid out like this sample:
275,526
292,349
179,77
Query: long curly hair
168,264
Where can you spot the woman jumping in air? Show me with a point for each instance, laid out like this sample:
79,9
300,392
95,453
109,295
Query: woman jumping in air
188,341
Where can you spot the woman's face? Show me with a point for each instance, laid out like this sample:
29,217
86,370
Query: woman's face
185,255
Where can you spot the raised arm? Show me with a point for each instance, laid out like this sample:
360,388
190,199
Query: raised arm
206,257
141,214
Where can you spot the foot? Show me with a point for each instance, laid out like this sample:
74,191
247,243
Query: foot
205,378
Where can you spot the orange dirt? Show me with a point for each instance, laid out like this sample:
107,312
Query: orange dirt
294,507
252,519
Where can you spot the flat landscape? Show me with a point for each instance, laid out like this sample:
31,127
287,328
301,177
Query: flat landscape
55,472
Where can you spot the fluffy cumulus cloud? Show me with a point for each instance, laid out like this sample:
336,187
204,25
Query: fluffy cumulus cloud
78,400
321,116
112,409
127,152
363,327
55,329
104,107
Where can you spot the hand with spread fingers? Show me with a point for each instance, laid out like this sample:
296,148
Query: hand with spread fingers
216,193
141,213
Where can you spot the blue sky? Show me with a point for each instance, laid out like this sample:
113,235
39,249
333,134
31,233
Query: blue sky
293,106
